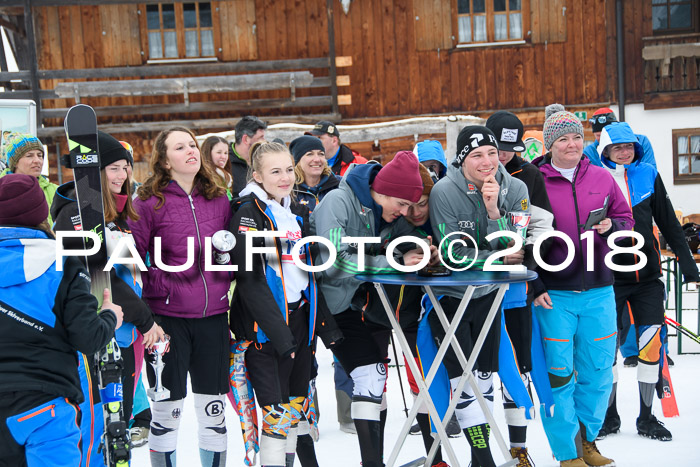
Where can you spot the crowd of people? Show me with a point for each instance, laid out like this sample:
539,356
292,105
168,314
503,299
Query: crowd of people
316,185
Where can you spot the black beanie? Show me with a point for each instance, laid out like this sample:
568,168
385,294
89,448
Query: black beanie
111,150
304,144
470,138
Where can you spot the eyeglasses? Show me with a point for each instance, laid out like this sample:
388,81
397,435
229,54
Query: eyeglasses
602,119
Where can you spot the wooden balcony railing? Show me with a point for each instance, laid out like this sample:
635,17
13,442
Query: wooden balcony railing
671,71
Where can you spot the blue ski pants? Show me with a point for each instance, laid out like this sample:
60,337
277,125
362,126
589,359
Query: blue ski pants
579,335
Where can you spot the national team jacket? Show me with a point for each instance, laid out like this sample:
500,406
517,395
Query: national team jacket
259,309
457,206
195,292
45,316
309,196
125,280
350,212
592,151
645,193
571,204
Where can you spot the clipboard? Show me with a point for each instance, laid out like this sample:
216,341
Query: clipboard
597,215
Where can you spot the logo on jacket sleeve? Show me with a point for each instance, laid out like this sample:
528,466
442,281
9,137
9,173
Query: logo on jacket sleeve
523,204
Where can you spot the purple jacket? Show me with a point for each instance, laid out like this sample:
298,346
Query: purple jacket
571,204
194,293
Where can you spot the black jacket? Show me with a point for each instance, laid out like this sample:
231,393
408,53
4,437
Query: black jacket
255,313
239,172
64,211
44,321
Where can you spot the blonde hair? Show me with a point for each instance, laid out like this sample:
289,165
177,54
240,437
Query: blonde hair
299,173
257,151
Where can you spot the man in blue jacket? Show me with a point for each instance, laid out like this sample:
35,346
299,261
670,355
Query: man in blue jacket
603,117
45,316
642,291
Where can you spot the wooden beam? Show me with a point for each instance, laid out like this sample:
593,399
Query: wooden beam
10,3
31,48
51,132
668,100
167,86
173,69
331,53
22,94
179,108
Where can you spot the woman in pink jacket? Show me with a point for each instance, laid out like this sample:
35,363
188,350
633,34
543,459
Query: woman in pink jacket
181,204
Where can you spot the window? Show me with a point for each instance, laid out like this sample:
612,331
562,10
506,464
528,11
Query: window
674,16
180,30
489,20
686,156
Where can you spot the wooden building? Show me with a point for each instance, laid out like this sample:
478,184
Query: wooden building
208,63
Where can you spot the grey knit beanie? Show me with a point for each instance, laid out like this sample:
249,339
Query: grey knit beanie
559,122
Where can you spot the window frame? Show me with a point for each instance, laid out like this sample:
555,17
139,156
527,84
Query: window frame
695,17
679,178
180,32
490,24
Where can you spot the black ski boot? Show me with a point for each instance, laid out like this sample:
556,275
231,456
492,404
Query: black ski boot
652,428
611,425
631,362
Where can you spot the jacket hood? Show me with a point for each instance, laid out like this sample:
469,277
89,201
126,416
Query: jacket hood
430,150
25,254
359,178
65,195
617,133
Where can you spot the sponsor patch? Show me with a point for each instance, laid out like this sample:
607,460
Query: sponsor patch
248,222
471,187
509,135
523,204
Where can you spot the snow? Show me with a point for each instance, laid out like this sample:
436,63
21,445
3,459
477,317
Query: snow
338,449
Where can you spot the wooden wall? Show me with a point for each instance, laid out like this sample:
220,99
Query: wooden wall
397,69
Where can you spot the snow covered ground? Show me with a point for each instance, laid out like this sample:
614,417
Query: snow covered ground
338,449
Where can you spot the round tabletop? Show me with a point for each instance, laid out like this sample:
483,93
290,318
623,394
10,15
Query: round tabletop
456,278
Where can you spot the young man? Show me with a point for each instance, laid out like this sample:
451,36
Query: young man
249,130
508,130
474,199
602,118
642,291
371,201
432,156
338,155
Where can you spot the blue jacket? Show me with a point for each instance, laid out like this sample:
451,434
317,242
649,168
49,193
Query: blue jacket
592,151
645,193
45,316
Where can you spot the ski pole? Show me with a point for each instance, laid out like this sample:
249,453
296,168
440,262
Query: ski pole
398,370
680,328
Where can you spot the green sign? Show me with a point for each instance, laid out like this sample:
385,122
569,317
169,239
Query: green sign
583,116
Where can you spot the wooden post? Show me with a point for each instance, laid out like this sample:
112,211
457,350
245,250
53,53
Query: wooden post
331,56
31,46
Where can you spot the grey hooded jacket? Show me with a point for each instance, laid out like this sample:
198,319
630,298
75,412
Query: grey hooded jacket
456,205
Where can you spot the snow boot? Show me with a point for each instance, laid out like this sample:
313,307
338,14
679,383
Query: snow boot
631,362
611,425
521,455
592,456
652,428
578,462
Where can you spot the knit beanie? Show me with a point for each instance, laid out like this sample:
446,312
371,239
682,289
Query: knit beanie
304,144
559,122
17,145
427,180
111,150
601,118
472,137
400,178
31,211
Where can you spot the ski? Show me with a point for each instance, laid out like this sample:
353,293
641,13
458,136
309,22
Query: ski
668,397
682,329
80,125
244,398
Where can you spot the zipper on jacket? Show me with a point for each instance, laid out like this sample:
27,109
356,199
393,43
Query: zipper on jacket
578,228
634,241
34,414
199,260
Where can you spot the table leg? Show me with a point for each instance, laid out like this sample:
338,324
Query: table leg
423,394
469,364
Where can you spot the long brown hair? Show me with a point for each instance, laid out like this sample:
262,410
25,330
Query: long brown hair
110,205
204,180
207,147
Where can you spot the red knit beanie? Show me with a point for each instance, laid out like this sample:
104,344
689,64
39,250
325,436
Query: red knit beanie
400,178
21,201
